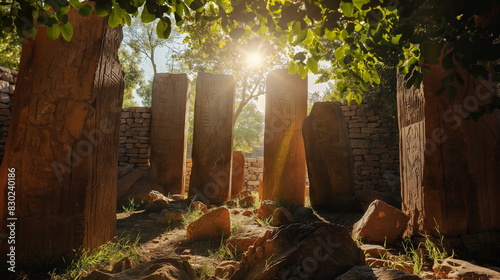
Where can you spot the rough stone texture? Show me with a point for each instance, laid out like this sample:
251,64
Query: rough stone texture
126,182
214,224
329,157
375,273
63,142
244,238
458,269
284,156
238,174
171,267
380,223
376,156
247,201
363,199
266,209
375,251
169,125
226,268
212,138
281,216
314,251
450,167
198,205
6,95
134,138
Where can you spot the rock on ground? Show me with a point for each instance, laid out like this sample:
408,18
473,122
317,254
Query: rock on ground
304,251
244,238
380,223
375,273
281,216
459,269
214,224
266,209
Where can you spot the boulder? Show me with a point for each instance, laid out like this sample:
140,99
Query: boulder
266,209
375,273
214,224
154,195
156,205
171,267
380,223
459,269
281,216
198,205
176,196
247,201
244,238
303,251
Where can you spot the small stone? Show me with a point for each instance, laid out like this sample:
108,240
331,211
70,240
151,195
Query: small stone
281,216
230,203
214,224
154,195
226,268
247,201
247,213
266,209
198,205
121,265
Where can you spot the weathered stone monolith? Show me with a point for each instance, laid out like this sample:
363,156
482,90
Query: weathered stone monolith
238,175
210,177
329,157
450,167
169,132
62,147
284,156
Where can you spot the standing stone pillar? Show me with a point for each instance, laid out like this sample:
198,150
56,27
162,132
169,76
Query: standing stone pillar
238,175
63,143
450,167
284,157
212,138
169,132
329,157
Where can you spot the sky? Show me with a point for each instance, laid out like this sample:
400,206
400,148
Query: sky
261,104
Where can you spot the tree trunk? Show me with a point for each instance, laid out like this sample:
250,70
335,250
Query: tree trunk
63,142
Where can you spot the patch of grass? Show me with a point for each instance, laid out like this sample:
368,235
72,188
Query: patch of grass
191,216
104,256
216,256
131,207
264,222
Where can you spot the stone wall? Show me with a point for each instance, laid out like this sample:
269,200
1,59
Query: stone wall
376,155
7,84
134,137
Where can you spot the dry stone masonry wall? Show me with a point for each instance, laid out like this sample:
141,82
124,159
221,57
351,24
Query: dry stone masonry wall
7,85
134,137
376,156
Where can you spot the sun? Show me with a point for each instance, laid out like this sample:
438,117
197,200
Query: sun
254,60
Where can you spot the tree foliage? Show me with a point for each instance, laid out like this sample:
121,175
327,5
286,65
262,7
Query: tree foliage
10,51
415,33
133,74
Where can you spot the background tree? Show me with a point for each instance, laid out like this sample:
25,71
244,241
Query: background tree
134,75
10,51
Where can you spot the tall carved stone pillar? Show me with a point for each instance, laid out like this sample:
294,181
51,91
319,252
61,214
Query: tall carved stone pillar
169,132
63,140
450,167
210,177
329,157
284,157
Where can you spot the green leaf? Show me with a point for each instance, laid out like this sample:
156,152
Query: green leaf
395,39
85,10
53,32
164,28
114,18
347,9
312,64
76,4
67,31
292,67
237,33
146,16
303,70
